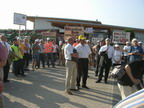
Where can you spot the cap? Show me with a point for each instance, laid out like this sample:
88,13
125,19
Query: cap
133,40
81,37
140,42
87,40
127,42
18,38
116,45
107,39
37,40
41,39
48,38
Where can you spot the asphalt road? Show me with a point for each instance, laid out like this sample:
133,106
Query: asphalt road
44,88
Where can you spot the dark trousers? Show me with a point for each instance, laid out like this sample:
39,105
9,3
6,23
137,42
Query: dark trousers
125,59
54,56
41,59
6,71
18,67
50,57
105,67
82,71
97,65
26,59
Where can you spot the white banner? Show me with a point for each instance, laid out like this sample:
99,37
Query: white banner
88,30
20,19
121,37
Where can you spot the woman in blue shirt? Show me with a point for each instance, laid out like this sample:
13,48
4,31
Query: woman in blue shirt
136,52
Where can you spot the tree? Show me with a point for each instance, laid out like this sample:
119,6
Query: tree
132,34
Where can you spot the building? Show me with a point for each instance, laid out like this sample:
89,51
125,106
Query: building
48,23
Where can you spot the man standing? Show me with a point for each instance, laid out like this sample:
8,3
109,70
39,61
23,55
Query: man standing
96,49
35,54
106,53
71,67
18,60
83,52
26,54
41,54
7,66
48,51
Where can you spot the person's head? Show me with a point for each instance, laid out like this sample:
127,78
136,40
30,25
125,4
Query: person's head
66,41
48,39
36,41
87,42
26,40
107,41
60,42
134,42
70,40
127,43
15,41
3,37
41,41
117,47
54,42
77,40
82,39
102,42
98,42
140,43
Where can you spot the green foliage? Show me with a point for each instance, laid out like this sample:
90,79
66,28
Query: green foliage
132,34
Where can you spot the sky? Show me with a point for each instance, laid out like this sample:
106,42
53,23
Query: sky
129,13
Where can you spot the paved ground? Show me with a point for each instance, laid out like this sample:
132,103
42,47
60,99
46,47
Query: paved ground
44,88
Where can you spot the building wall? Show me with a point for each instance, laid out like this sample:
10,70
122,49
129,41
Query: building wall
42,24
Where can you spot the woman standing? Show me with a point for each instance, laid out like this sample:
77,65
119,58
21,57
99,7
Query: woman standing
136,52
55,51
117,57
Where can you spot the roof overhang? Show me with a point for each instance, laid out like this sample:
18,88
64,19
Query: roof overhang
61,22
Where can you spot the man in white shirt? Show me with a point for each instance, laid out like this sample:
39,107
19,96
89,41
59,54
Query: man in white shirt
84,53
126,48
106,53
7,66
71,67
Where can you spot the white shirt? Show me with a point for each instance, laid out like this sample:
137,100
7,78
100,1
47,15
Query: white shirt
6,45
83,50
117,56
126,47
55,47
110,50
28,46
42,47
68,50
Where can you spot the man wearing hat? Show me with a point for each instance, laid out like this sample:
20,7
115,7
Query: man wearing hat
35,54
18,66
84,53
96,49
48,51
106,52
126,48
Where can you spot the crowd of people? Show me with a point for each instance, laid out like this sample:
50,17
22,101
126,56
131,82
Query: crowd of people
77,55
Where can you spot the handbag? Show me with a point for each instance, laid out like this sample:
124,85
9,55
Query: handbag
74,58
118,72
